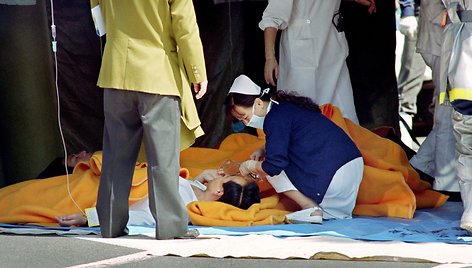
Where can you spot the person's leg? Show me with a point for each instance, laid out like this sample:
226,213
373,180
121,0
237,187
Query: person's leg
445,172
121,140
424,159
161,123
410,83
310,211
435,156
410,78
340,198
463,133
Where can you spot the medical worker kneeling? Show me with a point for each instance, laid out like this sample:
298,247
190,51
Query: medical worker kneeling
306,156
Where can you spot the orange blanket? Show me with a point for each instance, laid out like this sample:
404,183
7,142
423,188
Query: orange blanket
390,186
269,212
39,201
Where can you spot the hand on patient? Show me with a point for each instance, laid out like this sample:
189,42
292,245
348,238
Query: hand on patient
76,219
248,167
259,154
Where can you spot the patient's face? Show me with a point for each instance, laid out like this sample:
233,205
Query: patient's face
216,185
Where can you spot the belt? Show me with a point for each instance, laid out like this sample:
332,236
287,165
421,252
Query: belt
465,15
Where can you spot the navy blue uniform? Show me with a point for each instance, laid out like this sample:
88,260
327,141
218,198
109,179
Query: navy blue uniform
309,147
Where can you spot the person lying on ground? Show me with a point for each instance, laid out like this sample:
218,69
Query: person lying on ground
40,201
210,185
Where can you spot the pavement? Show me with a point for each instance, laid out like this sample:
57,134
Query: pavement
59,251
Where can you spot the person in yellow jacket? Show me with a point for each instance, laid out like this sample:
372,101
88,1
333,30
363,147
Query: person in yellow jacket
152,51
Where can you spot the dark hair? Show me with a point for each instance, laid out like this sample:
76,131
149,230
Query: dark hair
240,196
277,95
293,97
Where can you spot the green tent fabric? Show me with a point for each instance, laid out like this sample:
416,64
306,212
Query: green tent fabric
29,136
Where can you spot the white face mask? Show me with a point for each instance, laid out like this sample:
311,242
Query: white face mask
256,121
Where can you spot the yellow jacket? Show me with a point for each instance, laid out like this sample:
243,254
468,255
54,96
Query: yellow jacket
154,47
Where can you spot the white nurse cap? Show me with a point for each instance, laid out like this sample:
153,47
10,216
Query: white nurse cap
244,85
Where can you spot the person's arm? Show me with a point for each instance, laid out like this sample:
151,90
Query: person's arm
255,167
276,17
187,36
271,68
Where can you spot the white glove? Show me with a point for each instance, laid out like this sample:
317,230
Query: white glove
408,26
247,167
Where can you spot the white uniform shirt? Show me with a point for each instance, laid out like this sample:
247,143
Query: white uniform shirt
313,53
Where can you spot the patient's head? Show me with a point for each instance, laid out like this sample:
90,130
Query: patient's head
234,190
240,196
74,159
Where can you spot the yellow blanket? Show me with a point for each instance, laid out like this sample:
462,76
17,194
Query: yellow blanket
390,186
269,212
39,201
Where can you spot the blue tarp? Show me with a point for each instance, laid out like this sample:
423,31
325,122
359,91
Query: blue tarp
428,225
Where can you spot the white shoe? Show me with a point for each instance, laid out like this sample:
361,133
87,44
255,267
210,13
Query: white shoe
466,225
309,215
466,195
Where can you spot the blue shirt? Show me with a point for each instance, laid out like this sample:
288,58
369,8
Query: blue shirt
309,147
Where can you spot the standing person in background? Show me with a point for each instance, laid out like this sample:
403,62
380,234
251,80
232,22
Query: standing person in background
312,52
153,49
456,88
412,67
435,156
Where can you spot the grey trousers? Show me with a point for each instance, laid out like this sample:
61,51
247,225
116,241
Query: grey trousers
436,154
463,133
131,117
410,78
